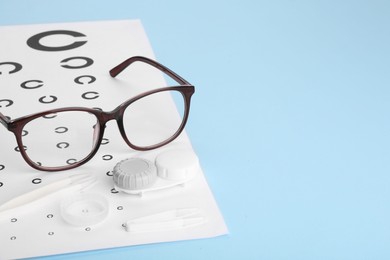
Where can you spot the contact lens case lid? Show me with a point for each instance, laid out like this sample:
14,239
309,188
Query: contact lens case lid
177,164
134,174
85,209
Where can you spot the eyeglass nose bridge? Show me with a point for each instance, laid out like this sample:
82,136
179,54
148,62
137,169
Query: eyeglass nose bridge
117,115
105,116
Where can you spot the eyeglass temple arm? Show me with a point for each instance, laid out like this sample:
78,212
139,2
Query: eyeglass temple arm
118,69
4,120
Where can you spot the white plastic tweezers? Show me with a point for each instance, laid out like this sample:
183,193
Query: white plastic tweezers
166,221
69,184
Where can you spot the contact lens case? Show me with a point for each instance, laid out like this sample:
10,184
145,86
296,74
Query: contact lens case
170,168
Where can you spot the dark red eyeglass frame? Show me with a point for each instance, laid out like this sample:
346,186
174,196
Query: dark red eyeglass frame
185,88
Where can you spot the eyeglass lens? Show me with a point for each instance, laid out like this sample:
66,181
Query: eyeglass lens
60,139
150,121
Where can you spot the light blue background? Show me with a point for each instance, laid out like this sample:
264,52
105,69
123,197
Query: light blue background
290,119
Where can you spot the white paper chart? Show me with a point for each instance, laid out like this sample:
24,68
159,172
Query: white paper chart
58,65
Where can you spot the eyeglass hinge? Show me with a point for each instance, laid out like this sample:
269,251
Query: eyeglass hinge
4,120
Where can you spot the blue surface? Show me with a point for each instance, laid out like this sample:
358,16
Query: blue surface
290,119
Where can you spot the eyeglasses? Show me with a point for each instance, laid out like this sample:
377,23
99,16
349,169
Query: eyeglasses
72,135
